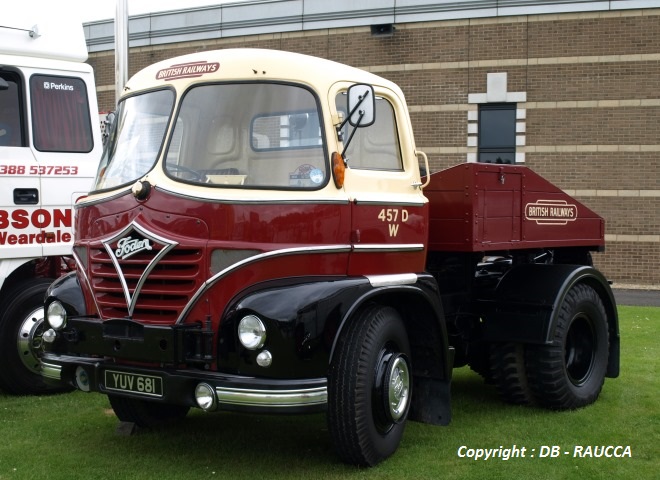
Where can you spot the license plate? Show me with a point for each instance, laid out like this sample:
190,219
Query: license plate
148,385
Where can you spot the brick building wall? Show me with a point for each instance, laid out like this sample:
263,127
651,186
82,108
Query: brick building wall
590,114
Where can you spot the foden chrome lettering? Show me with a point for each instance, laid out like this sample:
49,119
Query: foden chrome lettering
129,246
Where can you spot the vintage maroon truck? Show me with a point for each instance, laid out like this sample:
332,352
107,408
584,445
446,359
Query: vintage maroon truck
259,238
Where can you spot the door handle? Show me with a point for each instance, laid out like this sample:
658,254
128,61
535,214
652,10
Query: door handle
26,196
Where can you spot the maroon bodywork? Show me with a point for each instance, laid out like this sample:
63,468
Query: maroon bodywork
477,207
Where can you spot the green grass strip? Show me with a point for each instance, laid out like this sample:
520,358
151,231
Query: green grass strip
73,436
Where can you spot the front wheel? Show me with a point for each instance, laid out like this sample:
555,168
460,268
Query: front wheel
370,387
569,373
144,413
21,330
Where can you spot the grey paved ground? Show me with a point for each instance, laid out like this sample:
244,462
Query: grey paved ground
645,298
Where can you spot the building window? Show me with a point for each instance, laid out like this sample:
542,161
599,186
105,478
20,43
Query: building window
497,133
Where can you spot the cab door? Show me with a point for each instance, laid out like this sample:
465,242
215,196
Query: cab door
382,181
19,185
65,139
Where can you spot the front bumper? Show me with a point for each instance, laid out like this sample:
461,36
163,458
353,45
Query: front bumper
233,392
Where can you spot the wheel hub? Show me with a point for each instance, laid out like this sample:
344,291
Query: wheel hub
580,350
30,339
397,387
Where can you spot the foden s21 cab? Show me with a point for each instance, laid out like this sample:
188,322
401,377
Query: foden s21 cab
257,240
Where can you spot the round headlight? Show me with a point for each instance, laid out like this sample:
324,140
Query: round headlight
82,379
251,332
56,315
205,397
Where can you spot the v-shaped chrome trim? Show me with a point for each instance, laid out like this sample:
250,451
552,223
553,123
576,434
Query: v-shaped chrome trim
131,299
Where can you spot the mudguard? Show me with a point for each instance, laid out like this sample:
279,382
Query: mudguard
302,318
67,291
525,305
304,321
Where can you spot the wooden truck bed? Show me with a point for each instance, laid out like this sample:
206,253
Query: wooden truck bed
484,207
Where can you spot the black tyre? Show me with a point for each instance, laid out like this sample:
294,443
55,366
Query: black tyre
370,387
479,361
508,373
144,413
570,372
21,330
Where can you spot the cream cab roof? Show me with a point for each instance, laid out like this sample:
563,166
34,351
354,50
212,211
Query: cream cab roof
245,64
324,77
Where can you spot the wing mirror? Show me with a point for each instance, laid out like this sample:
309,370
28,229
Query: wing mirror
361,105
361,110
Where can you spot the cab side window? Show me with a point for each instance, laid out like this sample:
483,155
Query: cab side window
375,147
60,114
11,115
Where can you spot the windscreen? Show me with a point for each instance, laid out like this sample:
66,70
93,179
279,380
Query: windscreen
136,137
248,135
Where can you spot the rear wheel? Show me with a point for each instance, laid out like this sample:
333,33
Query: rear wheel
570,372
369,387
22,327
508,372
144,413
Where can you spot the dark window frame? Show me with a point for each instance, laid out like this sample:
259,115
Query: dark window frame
21,139
492,152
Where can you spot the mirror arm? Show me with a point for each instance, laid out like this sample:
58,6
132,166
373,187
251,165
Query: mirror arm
350,114
351,135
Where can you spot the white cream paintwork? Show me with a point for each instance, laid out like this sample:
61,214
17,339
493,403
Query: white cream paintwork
326,78
56,192
386,187
34,33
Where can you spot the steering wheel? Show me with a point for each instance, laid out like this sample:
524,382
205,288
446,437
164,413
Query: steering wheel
189,173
